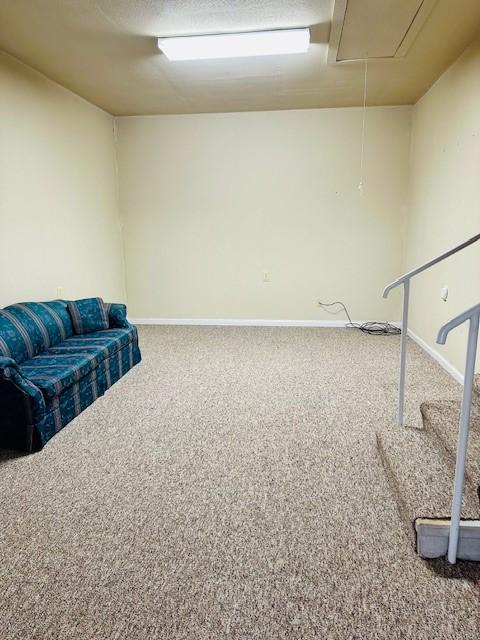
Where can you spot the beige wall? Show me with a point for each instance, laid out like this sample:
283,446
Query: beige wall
211,201
59,223
445,201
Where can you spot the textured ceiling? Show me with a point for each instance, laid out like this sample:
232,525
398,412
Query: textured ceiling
105,50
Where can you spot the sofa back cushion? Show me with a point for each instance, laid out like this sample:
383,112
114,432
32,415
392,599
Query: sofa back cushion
28,328
88,315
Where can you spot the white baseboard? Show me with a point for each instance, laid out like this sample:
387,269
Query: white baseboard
229,322
442,361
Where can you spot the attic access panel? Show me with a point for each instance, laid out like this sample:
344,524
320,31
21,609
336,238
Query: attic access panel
376,28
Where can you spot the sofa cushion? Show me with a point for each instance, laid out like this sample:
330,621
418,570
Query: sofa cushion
117,315
68,362
88,315
28,328
52,373
99,343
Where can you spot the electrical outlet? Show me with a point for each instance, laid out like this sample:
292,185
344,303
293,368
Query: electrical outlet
444,293
266,276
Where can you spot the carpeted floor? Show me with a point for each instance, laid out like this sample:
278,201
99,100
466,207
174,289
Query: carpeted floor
228,488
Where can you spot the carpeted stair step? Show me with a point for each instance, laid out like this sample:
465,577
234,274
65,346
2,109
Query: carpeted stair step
441,420
476,386
419,477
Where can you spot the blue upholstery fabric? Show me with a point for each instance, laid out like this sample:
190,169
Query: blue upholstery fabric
29,328
52,375
68,362
8,363
117,315
12,375
108,341
67,372
88,315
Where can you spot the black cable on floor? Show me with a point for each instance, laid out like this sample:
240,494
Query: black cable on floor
372,328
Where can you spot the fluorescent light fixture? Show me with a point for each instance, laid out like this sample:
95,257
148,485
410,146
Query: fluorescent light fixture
236,45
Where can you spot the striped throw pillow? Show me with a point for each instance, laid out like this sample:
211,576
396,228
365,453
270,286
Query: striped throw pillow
88,315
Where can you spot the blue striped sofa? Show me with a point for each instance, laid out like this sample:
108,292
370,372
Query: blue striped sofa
48,375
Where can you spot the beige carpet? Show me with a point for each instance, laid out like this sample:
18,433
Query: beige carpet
230,487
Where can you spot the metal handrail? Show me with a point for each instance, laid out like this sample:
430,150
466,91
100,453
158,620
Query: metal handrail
473,316
405,281
430,263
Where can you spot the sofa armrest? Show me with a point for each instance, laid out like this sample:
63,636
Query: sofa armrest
10,372
117,315
22,408
8,363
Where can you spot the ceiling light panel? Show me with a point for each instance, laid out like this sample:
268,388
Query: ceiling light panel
236,45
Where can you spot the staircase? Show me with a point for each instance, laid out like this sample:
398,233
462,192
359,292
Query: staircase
419,464
405,465
440,421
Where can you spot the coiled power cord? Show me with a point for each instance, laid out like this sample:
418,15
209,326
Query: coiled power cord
372,328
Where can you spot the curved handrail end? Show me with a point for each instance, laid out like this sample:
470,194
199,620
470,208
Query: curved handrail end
442,334
392,285
456,322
